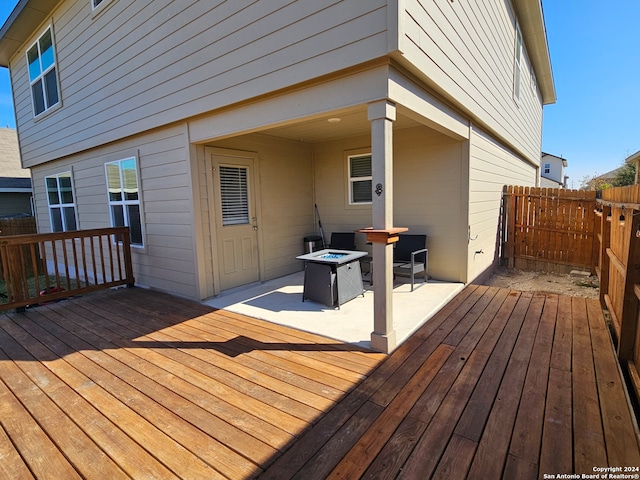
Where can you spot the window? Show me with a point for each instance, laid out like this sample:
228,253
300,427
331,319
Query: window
62,206
360,179
42,74
517,74
234,192
547,168
124,197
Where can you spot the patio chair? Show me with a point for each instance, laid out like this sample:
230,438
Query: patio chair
411,256
343,241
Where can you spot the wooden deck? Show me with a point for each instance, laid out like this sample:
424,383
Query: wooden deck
136,384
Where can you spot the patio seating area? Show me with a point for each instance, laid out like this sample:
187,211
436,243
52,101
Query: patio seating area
132,383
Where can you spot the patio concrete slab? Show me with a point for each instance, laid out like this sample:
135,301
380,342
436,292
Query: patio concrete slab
280,301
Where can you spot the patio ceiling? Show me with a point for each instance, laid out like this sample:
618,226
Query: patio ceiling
326,128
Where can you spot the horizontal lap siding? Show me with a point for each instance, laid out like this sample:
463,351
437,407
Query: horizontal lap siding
427,174
139,65
466,49
491,166
167,261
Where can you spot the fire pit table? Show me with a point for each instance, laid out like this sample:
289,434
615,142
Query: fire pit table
332,277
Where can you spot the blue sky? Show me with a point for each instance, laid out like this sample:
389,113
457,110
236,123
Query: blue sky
595,56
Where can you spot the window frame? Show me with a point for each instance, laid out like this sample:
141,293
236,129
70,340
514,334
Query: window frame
60,206
547,168
352,180
42,76
101,6
518,56
124,202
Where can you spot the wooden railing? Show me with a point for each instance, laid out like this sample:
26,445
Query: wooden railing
548,229
44,267
618,234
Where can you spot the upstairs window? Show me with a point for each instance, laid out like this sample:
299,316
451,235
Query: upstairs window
360,179
62,205
517,64
547,168
124,197
42,74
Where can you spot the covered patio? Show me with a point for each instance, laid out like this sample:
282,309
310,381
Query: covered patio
280,301
132,383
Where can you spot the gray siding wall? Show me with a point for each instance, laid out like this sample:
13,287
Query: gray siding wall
143,64
167,260
491,166
465,50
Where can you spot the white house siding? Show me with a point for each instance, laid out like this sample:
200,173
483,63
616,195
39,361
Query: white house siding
428,178
465,50
139,65
167,261
285,205
491,166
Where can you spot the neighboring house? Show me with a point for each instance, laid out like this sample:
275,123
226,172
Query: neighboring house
212,128
15,181
552,171
635,160
606,179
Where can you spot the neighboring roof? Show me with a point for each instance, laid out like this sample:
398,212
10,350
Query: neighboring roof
10,165
633,158
15,184
13,178
29,14
609,175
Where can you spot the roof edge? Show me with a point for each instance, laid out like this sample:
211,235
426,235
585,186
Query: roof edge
534,33
25,18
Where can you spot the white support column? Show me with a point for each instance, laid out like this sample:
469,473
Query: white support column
382,114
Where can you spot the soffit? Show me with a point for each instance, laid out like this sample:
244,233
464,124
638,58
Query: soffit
352,123
21,24
531,19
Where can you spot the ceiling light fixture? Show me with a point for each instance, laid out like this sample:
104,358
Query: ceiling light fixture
334,120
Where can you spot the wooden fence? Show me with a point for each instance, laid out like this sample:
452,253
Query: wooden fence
17,226
618,236
548,229
44,267
555,230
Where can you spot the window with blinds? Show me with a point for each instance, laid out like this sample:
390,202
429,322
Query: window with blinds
234,193
124,197
360,178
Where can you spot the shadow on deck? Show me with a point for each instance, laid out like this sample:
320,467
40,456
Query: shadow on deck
134,383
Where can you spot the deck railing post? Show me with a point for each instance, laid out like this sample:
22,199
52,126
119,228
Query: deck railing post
126,250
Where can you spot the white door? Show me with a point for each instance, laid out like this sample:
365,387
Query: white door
236,221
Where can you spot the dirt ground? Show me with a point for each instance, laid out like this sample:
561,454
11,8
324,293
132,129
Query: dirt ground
576,284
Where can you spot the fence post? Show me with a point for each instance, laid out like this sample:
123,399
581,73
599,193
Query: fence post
509,223
629,315
605,261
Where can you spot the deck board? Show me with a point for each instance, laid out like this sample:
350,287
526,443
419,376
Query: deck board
133,383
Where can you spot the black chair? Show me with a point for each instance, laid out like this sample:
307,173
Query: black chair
411,256
343,241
